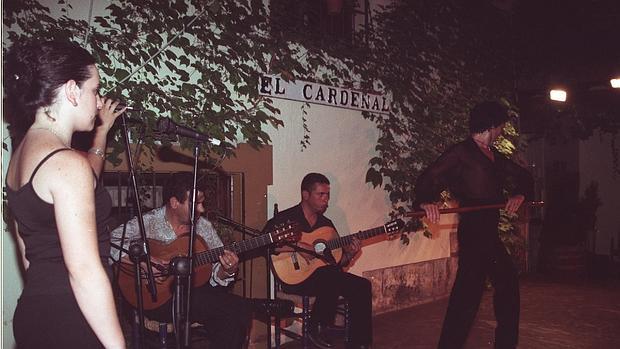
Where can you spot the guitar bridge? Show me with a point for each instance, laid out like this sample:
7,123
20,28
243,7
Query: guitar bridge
295,261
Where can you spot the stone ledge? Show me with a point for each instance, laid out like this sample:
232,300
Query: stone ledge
404,286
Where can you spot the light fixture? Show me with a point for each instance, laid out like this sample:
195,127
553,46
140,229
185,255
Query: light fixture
615,83
557,95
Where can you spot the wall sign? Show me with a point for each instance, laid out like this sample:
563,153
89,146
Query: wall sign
303,91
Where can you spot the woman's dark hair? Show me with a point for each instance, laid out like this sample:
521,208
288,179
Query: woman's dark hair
307,184
487,115
34,71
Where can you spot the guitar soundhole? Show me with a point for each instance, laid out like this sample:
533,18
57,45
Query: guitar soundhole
320,247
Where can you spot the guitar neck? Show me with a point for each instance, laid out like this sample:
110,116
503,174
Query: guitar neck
361,235
419,214
212,255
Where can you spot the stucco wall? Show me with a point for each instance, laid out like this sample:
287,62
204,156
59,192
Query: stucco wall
341,144
12,283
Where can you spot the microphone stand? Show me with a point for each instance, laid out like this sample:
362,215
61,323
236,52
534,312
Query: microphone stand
244,230
238,226
139,253
183,267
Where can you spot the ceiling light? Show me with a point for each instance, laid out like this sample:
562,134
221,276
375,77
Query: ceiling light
557,95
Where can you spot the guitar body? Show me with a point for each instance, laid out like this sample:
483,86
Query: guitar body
126,278
291,268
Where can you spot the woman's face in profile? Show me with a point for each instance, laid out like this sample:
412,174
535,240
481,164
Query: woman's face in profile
89,101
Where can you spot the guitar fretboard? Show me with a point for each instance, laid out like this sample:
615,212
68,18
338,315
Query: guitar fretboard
361,235
212,255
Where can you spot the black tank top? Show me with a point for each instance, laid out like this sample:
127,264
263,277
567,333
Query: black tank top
47,273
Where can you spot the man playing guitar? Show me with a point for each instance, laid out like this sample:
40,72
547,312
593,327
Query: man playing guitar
328,282
226,316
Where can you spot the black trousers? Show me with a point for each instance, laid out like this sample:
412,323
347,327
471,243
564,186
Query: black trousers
225,316
327,284
474,267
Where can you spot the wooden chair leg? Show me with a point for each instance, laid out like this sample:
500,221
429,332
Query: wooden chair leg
305,324
277,332
347,322
163,335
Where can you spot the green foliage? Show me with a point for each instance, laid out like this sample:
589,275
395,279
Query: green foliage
194,61
226,233
198,62
437,67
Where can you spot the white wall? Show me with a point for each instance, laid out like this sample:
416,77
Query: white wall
596,164
12,284
341,144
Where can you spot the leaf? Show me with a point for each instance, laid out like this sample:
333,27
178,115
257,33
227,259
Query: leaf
120,74
374,177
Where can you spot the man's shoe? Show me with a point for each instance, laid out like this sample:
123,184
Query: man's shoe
318,339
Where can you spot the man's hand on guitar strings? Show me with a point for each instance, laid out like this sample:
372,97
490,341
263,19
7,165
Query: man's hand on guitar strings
230,262
353,248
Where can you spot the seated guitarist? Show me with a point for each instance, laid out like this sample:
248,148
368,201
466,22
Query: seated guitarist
226,316
327,282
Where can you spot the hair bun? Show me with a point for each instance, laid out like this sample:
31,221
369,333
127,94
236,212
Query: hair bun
18,70
35,70
19,80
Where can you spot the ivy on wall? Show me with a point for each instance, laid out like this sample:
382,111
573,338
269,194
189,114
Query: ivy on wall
198,62
194,61
436,65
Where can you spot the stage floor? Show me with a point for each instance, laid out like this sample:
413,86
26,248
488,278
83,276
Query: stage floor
555,313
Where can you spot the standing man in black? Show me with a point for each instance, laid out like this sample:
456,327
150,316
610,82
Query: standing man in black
477,174
329,282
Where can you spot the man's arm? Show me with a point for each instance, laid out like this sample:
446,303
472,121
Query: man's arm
224,271
434,180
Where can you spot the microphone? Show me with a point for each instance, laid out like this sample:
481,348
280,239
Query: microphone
166,125
229,222
129,108
128,119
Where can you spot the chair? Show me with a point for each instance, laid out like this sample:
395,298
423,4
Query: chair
160,335
304,317
304,314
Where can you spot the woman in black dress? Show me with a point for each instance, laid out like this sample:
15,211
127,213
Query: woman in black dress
59,206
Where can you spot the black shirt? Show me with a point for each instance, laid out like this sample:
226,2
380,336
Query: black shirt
47,273
471,177
474,179
296,214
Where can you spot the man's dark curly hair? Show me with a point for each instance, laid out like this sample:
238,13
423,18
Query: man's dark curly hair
487,115
307,184
177,185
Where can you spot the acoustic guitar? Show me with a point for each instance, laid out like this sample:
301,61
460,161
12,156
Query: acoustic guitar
292,268
203,260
